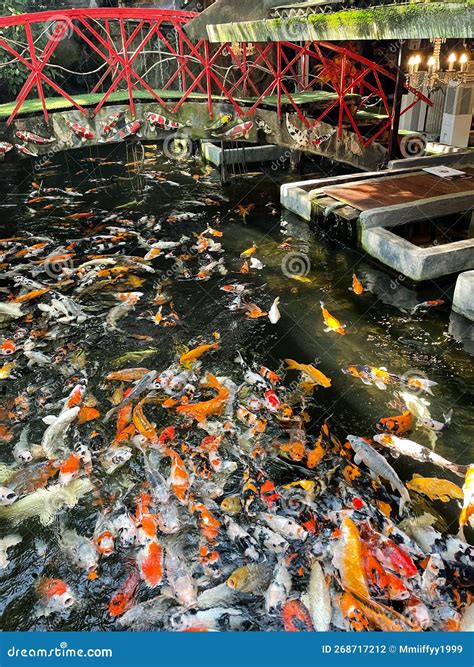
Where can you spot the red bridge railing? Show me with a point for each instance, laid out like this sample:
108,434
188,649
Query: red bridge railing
148,50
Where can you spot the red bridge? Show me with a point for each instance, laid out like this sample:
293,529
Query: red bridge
145,54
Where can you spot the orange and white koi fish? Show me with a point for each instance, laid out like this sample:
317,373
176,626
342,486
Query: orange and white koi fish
369,375
179,479
150,562
208,524
331,323
69,469
8,347
55,595
105,543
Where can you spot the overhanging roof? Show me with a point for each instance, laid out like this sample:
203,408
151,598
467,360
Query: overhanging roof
248,21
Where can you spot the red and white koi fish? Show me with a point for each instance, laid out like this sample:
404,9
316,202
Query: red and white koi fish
24,150
5,147
240,131
163,123
81,131
32,138
111,122
129,130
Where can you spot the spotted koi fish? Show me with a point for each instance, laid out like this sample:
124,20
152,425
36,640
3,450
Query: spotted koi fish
32,138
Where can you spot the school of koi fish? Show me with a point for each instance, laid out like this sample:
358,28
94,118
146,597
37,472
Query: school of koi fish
202,495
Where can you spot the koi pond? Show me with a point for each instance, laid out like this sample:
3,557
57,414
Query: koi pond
213,418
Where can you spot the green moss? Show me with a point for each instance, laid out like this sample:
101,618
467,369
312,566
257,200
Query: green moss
415,19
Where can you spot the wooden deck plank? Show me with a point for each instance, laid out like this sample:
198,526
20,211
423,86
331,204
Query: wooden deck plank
391,191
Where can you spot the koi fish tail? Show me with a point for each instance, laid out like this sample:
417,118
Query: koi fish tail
448,417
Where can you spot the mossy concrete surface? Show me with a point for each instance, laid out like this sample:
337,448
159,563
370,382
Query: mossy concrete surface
424,20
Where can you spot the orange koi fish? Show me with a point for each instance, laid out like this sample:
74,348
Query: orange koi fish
179,478
192,355
142,424
87,414
123,598
208,524
8,347
316,454
34,294
331,323
398,425
128,375
245,268
243,211
150,562
215,406
468,501
310,371
254,311
269,375
357,286
348,559
435,489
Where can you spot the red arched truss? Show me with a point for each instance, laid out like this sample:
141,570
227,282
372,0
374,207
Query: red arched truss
147,52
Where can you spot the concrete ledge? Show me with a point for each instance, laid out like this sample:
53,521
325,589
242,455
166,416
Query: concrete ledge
454,157
213,154
415,263
463,300
298,201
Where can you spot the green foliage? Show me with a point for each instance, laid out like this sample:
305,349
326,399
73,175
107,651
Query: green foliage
13,74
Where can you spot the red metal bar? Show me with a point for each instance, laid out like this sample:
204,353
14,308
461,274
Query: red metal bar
128,78
278,74
207,69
